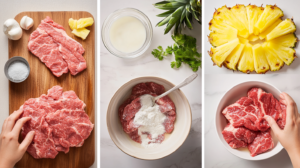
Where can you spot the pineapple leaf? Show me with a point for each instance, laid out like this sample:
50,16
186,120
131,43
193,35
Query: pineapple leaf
195,16
169,6
183,15
181,1
176,15
187,7
162,2
165,14
164,21
187,21
168,28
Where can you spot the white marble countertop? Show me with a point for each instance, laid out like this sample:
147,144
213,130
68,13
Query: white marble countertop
9,9
115,72
216,156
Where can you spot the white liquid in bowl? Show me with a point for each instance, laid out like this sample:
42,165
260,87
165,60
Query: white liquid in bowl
127,34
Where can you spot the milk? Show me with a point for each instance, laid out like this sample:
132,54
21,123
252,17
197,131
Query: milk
127,34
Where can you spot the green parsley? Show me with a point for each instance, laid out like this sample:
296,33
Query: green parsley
185,51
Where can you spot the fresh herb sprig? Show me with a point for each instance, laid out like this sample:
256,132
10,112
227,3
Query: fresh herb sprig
185,51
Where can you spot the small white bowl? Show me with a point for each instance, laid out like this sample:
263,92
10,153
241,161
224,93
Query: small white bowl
172,141
230,97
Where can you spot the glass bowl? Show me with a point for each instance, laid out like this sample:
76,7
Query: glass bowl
121,13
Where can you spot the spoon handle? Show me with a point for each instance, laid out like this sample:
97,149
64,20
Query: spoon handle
185,82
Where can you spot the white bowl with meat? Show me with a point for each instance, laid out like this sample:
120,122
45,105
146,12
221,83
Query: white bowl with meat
144,131
240,124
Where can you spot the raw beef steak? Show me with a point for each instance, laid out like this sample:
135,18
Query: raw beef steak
60,53
262,143
132,105
238,137
59,122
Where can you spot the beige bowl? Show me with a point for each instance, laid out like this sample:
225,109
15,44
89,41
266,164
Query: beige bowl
172,141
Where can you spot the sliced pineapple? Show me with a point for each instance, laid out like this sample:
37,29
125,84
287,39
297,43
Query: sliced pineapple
221,33
82,33
274,61
243,40
234,57
85,22
289,40
253,14
286,54
246,63
73,23
253,37
261,64
268,17
285,27
219,54
264,34
225,15
240,12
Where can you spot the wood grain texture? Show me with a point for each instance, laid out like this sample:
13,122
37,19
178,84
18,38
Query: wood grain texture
41,79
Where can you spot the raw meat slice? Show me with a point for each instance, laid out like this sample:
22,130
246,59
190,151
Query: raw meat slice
243,113
131,106
59,122
262,143
60,53
238,137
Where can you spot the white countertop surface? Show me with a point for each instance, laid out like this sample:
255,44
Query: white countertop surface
216,156
115,72
9,9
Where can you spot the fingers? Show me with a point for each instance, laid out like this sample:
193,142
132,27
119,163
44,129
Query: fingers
26,142
19,124
11,120
273,125
290,109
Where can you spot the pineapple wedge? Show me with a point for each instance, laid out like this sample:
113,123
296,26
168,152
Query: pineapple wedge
85,22
253,37
82,33
274,61
219,54
225,15
264,34
73,23
234,57
240,12
268,17
253,14
243,40
286,54
246,63
221,33
260,61
285,27
289,40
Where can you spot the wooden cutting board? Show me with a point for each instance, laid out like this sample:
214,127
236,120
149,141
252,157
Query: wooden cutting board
41,79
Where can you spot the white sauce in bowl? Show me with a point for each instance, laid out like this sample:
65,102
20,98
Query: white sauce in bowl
127,34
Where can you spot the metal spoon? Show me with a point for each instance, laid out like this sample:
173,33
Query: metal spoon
184,83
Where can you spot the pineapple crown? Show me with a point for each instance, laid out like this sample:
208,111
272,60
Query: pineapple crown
180,13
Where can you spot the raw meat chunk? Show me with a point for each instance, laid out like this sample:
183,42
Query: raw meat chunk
60,53
59,122
262,143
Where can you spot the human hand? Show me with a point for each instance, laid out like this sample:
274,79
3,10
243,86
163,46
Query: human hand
289,137
10,149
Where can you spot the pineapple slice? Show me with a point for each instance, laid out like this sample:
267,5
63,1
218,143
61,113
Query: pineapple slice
286,54
260,61
85,22
268,17
240,12
243,40
225,15
234,57
221,33
274,61
82,33
264,34
253,37
253,14
289,40
285,27
219,54
246,63
73,23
